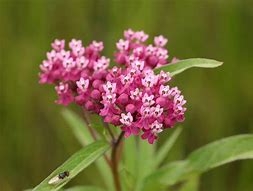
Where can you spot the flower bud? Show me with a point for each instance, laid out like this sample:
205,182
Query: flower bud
120,58
152,61
99,75
95,94
123,99
108,119
161,101
80,99
116,120
169,122
130,108
85,74
97,83
89,105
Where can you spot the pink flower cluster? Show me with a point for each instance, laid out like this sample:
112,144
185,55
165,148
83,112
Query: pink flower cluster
132,97
133,47
140,101
75,71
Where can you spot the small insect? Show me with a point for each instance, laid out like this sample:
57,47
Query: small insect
59,177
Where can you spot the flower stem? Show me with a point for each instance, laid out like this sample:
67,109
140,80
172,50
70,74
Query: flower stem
86,118
87,121
115,172
106,125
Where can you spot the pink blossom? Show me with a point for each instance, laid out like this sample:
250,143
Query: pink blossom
150,50
78,51
83,84
126,119
149,80
146,111
122,45
156,127
162,53
141,36
138,52
101,64
164,90
68,64
126,79
58,45
151,137
138,64
64,93
98,46
52,56
82,62
109,87
46,66
164,76
148,100
129,34
109,99
63,54
157,110
160,41
75,43
136,94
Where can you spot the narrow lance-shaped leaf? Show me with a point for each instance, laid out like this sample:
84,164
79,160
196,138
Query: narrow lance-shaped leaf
127,180
84,137
165,148
74,165
212,155
183,65
128,166
130,155
145,161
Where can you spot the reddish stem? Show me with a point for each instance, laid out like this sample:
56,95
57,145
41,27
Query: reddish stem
93,134
114,163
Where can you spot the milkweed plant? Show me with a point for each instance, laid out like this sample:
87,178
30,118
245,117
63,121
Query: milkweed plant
126,104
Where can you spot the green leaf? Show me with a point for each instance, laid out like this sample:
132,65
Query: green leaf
130,155
74,165
127,180
191,184
222,152
145,162
106,173
84,137
210,156
78,126
129,164
165,148
84,188
183,65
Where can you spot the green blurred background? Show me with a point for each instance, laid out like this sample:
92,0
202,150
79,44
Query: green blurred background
34,137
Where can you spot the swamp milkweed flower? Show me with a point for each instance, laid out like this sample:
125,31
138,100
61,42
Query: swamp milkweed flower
130,96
